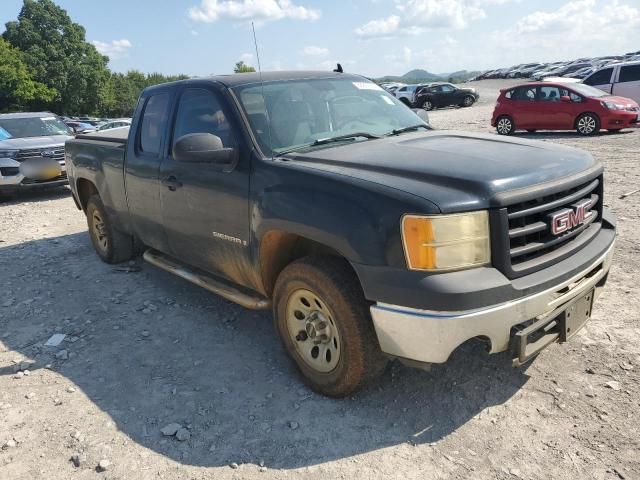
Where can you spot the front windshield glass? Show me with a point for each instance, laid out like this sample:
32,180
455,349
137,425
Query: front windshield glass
33,127
303,111
588,91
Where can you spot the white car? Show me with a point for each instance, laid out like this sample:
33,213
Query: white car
121,122
621,79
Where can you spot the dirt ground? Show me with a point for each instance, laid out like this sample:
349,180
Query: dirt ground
145,350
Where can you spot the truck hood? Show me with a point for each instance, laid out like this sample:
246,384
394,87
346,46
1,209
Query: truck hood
457,171
33,142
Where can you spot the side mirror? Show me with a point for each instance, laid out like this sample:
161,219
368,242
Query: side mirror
424,116
203,148
565,99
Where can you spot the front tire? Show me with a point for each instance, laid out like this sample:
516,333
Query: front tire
323,321
588,124
505,125
468,101
111,245
427,105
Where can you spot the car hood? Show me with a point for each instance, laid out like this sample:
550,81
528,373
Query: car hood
457,171
627,102
34,142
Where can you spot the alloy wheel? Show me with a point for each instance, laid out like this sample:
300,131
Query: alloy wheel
586,125
504,126
99,231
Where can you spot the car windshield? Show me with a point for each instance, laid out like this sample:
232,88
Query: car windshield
302,112
588,91
33,127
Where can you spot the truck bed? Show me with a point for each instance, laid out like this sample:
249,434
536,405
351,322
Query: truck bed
114,135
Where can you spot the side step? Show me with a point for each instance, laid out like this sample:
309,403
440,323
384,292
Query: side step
218,286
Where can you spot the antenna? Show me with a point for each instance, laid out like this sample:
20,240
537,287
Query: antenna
264,99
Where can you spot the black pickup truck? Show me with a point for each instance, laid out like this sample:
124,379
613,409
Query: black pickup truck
370,235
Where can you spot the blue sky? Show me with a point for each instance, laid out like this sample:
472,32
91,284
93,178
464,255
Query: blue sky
371,37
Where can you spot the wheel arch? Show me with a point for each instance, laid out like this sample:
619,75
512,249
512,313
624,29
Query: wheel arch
85,188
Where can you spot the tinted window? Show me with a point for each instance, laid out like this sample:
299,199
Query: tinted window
524,93
630,73
600,78
575,97
447,88
199,111
154,122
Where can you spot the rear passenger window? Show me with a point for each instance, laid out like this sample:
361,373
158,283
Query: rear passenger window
600,78
630,73
154,122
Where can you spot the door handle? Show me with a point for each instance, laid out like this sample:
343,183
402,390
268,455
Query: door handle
172,183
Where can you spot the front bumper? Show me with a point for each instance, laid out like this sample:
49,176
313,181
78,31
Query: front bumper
13,180
431,336
620,119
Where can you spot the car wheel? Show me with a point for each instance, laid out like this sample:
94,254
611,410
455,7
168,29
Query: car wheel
324,323
468,101
504,125
111,245
588,124
427,105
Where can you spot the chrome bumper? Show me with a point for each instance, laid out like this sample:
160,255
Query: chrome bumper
431,336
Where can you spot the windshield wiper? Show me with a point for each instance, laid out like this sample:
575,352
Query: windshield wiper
324,141
411,128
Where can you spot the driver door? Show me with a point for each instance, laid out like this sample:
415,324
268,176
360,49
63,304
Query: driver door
205,205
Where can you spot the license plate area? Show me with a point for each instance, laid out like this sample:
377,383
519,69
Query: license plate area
558,326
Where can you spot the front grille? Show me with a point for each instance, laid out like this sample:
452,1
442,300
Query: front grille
528,242
56,153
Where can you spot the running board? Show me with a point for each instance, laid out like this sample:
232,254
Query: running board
218,286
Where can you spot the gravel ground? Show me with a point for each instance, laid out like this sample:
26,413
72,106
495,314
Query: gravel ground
145,350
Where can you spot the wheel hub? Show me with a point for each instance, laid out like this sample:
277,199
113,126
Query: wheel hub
318,328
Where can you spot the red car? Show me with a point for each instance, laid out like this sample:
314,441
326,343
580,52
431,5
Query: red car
559,106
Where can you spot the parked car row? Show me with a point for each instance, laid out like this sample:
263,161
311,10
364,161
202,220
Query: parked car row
89,124
432,95
578,68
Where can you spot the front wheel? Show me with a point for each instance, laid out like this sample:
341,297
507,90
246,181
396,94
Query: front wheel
588,124
468,101
323,321
505,125
111,245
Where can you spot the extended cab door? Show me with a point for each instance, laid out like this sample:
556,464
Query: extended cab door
142,166
205,206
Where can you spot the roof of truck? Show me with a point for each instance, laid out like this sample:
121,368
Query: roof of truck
236,79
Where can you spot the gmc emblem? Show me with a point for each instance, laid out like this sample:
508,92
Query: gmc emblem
569,218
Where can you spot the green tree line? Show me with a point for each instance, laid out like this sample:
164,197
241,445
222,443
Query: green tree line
47,64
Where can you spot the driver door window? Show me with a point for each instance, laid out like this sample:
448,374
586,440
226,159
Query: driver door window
200,111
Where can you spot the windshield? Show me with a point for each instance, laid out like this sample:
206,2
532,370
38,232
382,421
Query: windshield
303,111
33,127
588,91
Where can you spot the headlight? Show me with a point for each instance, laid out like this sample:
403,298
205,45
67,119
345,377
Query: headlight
446,242
8,153
612,106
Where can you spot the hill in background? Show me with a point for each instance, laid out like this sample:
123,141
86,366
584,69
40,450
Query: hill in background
423,76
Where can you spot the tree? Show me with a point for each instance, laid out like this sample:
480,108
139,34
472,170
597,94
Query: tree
18,90
56,52
242,67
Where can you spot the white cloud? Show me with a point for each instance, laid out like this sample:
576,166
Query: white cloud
417,16
211,11
246,58
114,49
581,16
313,51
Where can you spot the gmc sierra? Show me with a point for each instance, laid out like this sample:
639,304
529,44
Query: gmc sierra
371,236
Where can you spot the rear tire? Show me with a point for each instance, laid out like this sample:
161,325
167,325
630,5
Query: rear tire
324,323
588,124
111,245
505,125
